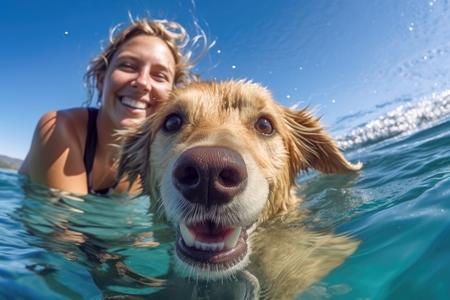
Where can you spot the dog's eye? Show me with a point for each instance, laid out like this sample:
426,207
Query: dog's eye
264,126
173,123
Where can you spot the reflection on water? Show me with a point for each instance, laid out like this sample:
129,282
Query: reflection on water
116,247
100,234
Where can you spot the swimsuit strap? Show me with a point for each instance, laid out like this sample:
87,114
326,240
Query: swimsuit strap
89,152
91,144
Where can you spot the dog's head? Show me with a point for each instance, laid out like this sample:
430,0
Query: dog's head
220,157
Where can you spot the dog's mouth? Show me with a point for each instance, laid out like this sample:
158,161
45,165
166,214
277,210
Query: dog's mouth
212,246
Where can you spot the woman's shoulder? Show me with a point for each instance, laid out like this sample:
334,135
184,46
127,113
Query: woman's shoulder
55,158
65,117
67,124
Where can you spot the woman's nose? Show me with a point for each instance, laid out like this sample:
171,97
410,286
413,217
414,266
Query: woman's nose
142,82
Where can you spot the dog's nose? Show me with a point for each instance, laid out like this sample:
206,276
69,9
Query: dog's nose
210,175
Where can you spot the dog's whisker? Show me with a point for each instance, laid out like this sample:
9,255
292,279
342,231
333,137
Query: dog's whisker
159,208
218,215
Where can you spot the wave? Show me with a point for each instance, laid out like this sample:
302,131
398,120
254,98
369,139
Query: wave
405,118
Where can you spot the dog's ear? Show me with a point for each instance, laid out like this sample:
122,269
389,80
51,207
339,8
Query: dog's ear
311,147
135,154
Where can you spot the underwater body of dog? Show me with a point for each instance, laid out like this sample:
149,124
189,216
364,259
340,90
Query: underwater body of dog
221,159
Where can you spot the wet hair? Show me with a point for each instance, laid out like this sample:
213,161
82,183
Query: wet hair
171,33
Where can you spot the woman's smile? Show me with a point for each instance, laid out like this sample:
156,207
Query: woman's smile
133,104
139,77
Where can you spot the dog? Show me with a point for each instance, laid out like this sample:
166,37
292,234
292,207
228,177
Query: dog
221,160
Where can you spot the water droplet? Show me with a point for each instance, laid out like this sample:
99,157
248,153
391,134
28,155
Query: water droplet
288,96
300,68
425,57
233,67
333,101
66,33
219,51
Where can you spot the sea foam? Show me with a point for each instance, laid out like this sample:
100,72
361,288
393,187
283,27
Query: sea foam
406,118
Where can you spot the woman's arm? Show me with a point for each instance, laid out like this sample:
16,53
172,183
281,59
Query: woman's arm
55,158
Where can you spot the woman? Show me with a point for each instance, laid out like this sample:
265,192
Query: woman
73,150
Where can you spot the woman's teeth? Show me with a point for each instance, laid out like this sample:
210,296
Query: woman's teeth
229,242
133,103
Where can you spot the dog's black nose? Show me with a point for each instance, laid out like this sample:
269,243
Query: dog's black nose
210,175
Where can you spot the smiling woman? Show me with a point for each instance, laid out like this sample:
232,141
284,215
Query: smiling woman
139,76
73,150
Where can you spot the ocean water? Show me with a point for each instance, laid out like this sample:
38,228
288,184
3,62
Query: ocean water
398,207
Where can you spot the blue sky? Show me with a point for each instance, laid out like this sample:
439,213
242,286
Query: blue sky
338,57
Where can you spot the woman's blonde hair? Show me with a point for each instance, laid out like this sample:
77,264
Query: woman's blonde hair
172,33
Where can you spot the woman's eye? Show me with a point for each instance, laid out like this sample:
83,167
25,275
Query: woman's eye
161,77
264,126
127,66
173,123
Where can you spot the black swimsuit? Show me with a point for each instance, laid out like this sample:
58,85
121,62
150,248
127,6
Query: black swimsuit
89,151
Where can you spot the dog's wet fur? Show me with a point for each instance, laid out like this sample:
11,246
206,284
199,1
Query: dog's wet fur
221,159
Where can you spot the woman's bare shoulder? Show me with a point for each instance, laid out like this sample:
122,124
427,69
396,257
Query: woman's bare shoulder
56,152
69,121
62,128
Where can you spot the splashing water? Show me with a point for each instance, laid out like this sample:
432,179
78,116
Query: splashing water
404,119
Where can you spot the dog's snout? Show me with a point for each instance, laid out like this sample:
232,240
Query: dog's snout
210,175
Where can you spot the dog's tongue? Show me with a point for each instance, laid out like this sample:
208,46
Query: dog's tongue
210,232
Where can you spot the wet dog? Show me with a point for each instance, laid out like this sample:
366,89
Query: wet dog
221,159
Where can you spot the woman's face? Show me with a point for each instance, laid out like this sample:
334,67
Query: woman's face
139,76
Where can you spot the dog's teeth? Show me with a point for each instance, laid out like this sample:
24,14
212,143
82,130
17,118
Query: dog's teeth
232,239
208,246
190,241
198,245
187,236
219,246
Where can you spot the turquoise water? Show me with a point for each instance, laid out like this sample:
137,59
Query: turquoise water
398,207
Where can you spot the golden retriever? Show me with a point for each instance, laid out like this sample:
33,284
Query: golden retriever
221,159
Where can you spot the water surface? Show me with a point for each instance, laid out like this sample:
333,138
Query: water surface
397,206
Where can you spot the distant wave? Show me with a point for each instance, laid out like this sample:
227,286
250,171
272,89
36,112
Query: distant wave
405,118
376,108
